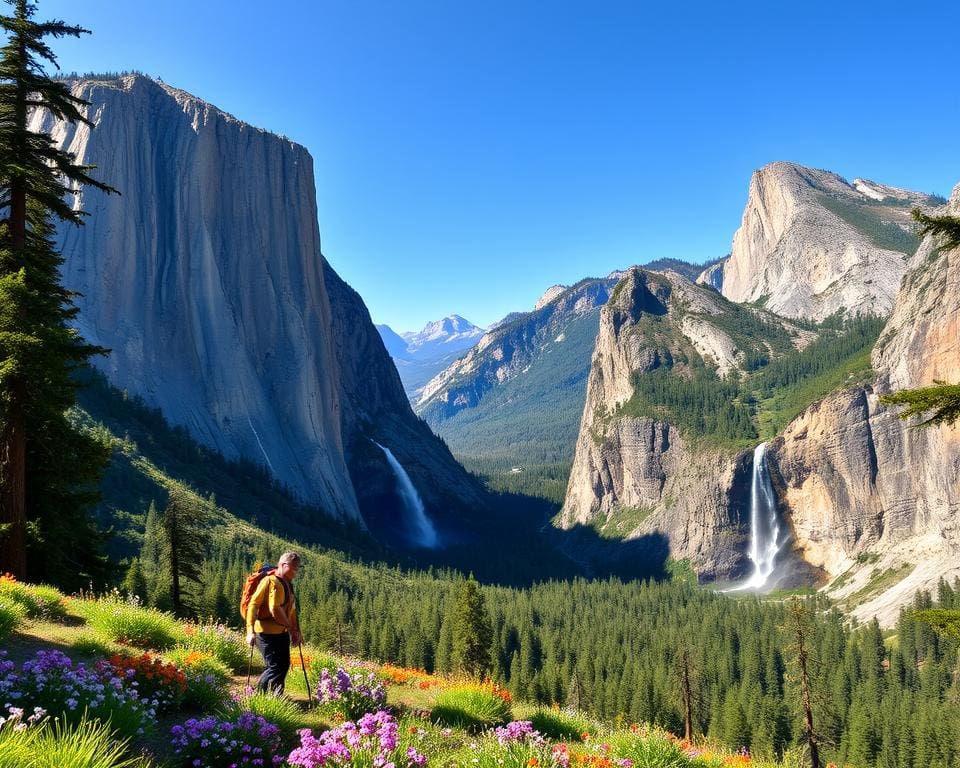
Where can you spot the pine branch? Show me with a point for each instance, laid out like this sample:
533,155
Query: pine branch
942,399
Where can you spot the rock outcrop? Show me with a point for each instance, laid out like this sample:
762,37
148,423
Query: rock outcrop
872,500
811,244
637,475
206,280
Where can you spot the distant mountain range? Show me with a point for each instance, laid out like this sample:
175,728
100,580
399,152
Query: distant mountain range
421,355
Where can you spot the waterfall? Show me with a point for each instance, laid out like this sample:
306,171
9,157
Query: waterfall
421,529
767,535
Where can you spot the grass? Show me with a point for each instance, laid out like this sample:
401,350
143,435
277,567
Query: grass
131,624
470,707
280,711
880,581
38,600
563,724
11,614
226,645
53,745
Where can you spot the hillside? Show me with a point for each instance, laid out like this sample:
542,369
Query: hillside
151,457
554,645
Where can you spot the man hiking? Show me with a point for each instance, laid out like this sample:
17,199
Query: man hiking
272,622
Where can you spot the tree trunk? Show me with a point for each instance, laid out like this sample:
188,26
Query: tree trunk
13,464
687,696
805,697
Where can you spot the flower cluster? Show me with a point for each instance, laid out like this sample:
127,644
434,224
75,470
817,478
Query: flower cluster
372,740
518,731
153,679
247,741
400,675
351,695
16,721
51,681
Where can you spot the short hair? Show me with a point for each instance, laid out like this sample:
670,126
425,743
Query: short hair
289,557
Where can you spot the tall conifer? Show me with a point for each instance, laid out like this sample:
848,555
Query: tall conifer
38,351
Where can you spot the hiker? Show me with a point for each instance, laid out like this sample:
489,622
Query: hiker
272,622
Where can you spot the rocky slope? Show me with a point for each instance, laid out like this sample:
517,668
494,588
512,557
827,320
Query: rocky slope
812,244
872,501
206,281
636,474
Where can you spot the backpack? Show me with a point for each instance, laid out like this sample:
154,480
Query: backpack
250,586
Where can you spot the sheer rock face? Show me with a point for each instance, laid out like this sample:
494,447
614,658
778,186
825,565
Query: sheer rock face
811,244
206,281
857,480
641,472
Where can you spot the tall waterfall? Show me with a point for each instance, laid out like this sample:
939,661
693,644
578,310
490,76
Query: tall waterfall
767,535
421,529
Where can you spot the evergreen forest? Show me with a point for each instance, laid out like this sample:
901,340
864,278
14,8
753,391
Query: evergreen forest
613,648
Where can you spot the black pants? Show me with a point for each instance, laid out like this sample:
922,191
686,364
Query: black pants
276,656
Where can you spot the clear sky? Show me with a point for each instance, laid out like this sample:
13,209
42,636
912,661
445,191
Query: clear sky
470,154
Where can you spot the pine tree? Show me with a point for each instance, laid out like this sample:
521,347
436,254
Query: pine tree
472,632
799,631
134,584
185,540
42,460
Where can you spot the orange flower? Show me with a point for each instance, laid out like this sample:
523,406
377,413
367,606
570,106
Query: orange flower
584,736
533,762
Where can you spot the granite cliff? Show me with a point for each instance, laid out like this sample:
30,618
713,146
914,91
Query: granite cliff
871,500
636,473
206,280
812,244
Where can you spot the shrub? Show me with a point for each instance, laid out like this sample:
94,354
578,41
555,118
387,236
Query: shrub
350,695
516,745
247,740
371,741
470,706
220,641
207,679
563,724
130,623
11,614
97,647
88,744
163,685
282,712
52,682
650,747
317,662
39,601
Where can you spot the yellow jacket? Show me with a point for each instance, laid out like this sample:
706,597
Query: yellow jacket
271,594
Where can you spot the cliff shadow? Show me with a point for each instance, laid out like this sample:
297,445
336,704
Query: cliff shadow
645,557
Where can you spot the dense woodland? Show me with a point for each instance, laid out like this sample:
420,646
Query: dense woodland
737,410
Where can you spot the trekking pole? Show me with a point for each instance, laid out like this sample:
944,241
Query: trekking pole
303,666
249,664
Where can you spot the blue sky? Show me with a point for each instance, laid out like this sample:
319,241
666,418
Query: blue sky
470,154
